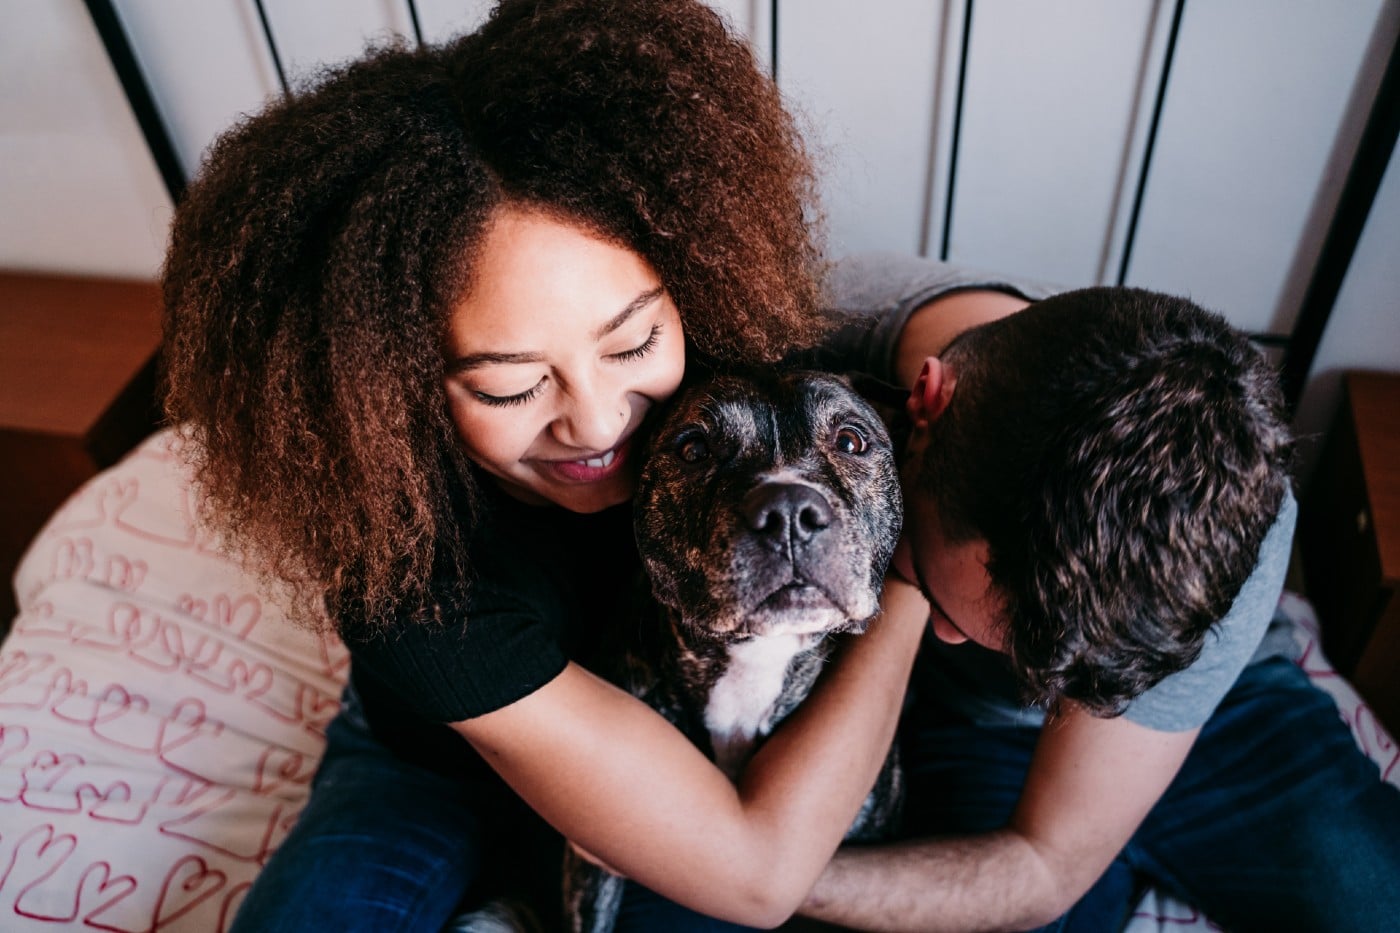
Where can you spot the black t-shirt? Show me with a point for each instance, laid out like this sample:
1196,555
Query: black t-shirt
544,584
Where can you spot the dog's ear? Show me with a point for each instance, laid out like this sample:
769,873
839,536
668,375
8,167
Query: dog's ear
889,402
698,371
877,391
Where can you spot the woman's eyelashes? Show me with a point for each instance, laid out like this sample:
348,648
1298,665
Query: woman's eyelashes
505,401
641,349
624,356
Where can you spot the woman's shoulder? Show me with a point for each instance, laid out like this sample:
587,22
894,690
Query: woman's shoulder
517,566
539,583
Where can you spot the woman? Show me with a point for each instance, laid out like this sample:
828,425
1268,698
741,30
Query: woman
416,317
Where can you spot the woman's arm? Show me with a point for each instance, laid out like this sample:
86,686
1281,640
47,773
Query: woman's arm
616,778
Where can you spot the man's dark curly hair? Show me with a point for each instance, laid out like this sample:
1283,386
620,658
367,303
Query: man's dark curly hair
315,259
1123,453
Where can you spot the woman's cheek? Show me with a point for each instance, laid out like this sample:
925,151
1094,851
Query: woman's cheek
488,436
458,408
670,368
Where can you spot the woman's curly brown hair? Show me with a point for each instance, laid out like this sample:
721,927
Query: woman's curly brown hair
314,262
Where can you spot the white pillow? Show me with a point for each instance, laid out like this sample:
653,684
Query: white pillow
160,720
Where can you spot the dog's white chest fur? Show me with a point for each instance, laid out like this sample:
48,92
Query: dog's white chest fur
740,711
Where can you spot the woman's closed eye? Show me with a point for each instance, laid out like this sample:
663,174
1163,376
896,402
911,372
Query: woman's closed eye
504,401
641,349
520,398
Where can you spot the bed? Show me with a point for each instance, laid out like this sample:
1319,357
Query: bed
160,719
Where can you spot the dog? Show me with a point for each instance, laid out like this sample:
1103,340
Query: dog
766,513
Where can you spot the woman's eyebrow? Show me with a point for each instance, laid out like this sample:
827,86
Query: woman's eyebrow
473,360
633,306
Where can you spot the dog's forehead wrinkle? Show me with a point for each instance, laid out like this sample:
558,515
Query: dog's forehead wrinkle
833,405
735,419
809,430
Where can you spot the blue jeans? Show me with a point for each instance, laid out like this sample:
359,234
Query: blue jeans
384,845
1275,822
644,910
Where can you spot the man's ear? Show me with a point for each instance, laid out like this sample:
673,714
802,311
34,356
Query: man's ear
933,390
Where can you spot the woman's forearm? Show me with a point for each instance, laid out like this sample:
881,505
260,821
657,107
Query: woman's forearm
821,763
625,785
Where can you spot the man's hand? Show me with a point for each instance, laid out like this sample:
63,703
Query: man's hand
1091,783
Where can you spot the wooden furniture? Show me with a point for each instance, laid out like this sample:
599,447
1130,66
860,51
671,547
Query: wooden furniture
77,384
1351,540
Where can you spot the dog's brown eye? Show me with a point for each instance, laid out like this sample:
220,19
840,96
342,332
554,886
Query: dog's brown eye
692,447
850,441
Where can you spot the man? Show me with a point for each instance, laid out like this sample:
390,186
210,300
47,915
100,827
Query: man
1099,514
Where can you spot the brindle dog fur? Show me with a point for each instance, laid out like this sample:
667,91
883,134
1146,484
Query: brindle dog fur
766,514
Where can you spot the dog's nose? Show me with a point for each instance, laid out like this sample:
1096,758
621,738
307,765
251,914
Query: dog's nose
783,510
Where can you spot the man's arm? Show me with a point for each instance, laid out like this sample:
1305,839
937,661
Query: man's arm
1091,783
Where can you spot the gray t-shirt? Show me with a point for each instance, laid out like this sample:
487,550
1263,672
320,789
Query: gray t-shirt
877,293
978,683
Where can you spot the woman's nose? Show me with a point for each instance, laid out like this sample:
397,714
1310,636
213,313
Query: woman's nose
593,418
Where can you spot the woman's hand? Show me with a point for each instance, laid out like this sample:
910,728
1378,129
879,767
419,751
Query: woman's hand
632,792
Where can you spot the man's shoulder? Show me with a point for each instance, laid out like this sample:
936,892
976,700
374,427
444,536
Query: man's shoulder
1185,700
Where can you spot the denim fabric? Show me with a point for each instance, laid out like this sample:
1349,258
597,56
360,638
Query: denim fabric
384,845
1275,822
642,910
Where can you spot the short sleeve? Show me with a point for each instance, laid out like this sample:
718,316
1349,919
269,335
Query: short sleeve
1187,699
498,646
543,582
871,296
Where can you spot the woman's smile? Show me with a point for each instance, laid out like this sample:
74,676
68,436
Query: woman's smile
556,356
593,469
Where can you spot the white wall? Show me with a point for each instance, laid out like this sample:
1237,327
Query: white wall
1261,117
1250,141
78,190
1051,134
868,83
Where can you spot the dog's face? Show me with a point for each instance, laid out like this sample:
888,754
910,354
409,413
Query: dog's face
769,504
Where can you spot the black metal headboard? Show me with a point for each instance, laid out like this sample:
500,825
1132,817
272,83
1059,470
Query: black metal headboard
1299,347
